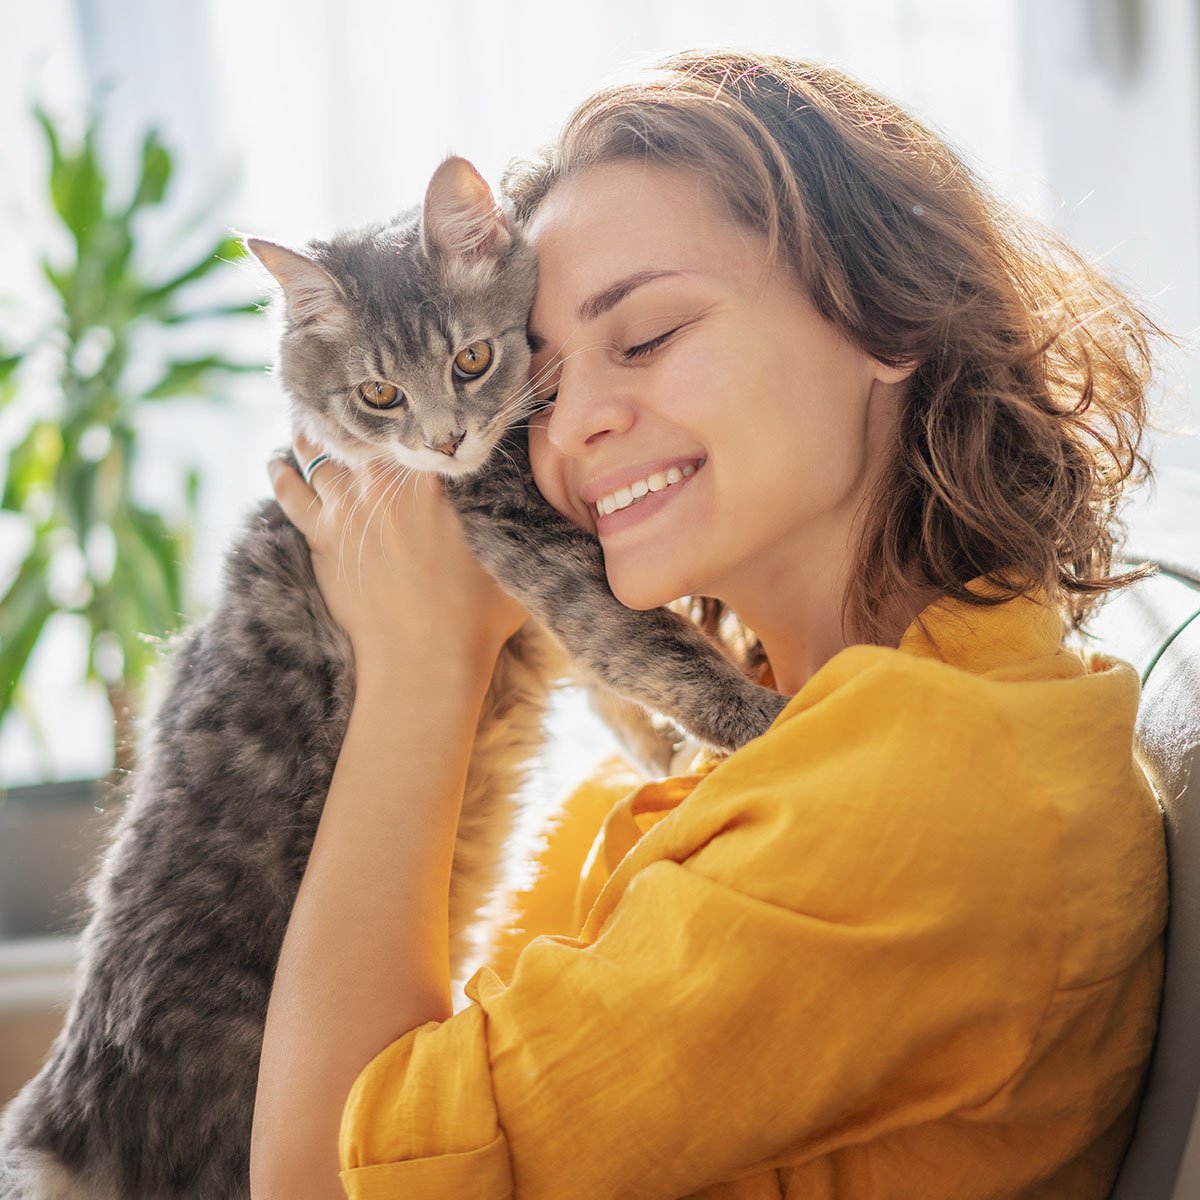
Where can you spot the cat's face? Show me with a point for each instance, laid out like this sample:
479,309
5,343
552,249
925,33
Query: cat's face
406,342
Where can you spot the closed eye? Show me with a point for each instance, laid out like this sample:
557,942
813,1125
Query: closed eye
638,351
649,347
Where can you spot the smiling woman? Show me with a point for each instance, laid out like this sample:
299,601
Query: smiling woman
798,366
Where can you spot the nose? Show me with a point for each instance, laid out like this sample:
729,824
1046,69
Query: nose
586,407
449,447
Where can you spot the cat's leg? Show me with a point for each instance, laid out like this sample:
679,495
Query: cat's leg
657,658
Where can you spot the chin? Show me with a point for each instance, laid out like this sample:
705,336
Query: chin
643,594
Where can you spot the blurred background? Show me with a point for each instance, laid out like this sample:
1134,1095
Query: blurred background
134,357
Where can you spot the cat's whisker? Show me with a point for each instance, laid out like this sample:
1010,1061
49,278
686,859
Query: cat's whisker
515,403
524,401
506,454
321,514
393,489
366,526
527,393
530,385
355,507
358,500
367,466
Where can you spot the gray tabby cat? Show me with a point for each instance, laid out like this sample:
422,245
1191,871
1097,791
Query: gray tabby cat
148,1091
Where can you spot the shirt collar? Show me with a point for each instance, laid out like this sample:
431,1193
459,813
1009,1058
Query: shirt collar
973,637
982,638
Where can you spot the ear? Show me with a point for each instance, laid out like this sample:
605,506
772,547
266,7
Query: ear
461,218
313,297
897,374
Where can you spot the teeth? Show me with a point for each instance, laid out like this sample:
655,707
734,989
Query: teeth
624,497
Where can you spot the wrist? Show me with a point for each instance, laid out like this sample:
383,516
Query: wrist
450,669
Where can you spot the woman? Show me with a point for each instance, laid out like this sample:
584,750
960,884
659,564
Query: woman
906,943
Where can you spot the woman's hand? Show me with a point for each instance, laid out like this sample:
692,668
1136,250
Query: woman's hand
393,565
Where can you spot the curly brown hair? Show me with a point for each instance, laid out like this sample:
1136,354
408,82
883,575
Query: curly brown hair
1023,420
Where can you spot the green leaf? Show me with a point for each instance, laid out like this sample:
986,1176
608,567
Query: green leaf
191,491
164,547
24,611
52,143
228,249
77,494
15,653
27,592
76,181
63,282
155,176
8,385
32,465
114,249
190,376
9,365
224,310
142,594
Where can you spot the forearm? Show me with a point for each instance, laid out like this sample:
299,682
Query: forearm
366,955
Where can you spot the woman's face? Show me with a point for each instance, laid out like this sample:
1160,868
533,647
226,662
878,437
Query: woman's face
669,344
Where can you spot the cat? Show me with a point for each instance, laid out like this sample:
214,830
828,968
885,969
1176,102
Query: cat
148,1091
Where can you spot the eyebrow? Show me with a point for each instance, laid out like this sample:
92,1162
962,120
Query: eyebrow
607,298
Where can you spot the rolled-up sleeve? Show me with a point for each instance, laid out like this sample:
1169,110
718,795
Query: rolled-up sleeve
427,1098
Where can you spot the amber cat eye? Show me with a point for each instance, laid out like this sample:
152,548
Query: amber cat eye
473,361
378,394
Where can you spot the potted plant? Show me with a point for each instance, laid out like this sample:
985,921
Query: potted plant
68,479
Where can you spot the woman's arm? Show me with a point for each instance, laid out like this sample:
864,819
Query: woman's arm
366,956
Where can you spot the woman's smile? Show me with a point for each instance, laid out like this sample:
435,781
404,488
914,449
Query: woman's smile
632,505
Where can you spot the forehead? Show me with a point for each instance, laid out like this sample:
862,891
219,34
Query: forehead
608,221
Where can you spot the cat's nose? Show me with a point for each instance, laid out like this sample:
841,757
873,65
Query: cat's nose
450,446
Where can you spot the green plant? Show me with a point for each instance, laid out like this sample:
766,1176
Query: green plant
69,476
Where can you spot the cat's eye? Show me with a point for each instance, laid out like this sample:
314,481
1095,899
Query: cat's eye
379,394
473,361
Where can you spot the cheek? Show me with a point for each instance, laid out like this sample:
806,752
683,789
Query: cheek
548,469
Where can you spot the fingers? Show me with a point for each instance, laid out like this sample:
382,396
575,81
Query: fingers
302,499
317,468
298,501
336,500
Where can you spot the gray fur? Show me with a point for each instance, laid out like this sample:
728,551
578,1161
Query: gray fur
147,1093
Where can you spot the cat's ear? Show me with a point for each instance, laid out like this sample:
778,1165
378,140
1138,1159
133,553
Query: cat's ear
312,295
461,219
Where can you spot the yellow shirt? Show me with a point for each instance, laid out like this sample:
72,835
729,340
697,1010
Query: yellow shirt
906,945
